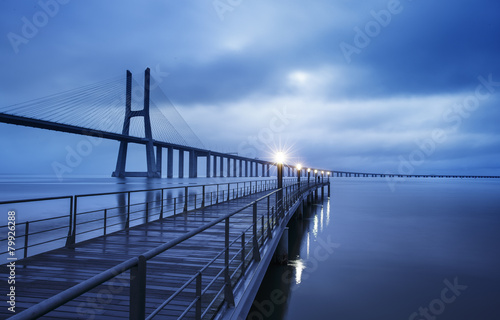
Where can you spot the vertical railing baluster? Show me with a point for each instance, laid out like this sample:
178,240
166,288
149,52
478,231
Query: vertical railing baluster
203,201
262,230
161,206
26,234
127,223
138,290
73,232
147,212
228,292
70,223
186,199
256,253
243,253
269,233
105,220
198,296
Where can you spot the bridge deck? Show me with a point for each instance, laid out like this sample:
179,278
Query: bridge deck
44,275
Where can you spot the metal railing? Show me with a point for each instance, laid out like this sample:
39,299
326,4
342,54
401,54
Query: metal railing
75,225
238,254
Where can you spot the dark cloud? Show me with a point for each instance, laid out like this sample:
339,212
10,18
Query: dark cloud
263,55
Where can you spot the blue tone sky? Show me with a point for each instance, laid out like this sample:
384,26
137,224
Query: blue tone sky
378,86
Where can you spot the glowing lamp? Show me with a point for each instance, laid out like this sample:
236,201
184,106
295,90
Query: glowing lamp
280,157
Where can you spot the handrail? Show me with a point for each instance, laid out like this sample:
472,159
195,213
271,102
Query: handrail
83,287
69,294
73,207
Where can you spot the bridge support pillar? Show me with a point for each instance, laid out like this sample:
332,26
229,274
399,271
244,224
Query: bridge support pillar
209,167
150,153
159,155
246,168
193,164
268,170
281,254
181,164
215,166
234,167
251,169
228,167
221,167
170,162
241,168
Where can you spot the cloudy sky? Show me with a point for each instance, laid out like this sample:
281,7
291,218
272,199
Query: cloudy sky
376,86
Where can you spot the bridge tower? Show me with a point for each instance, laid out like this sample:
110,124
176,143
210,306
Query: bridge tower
153,171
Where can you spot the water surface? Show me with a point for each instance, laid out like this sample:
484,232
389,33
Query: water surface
370,253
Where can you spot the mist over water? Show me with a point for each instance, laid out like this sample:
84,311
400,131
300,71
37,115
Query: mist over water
428,250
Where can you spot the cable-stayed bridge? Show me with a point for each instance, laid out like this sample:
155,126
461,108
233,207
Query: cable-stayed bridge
123,110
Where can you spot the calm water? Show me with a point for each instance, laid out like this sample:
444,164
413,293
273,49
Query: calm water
428,250
20,187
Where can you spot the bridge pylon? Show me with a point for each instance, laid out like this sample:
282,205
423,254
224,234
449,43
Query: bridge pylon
153,171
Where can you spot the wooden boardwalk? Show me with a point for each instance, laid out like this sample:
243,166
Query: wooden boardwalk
47,274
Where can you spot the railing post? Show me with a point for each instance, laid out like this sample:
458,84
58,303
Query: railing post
161,206
127,223
262,230
203,201
198,295
105,220
147,211
186,199
69,240
195,201
243,253
138,290
211,197
269,233
273,214
228,190
217,195
256,252
175,205
26,233
228,291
